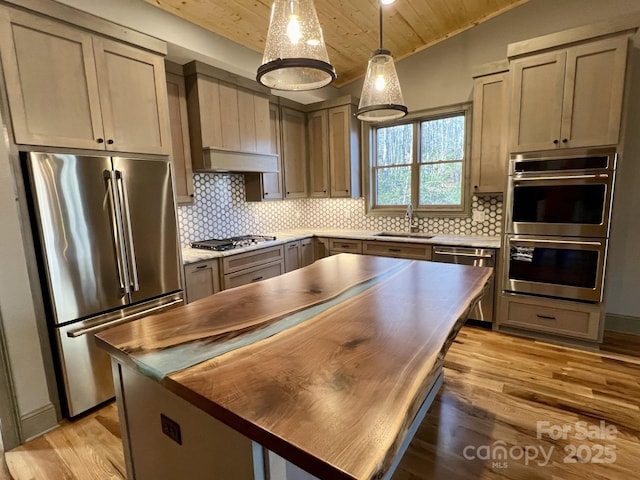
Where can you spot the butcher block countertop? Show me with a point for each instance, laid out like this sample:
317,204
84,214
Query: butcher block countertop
326,366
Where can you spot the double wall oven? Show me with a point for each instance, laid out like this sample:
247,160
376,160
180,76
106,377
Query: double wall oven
558,215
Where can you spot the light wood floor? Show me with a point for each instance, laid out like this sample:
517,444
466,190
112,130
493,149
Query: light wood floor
497,388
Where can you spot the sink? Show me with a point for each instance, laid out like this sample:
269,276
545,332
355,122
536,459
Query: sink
403,235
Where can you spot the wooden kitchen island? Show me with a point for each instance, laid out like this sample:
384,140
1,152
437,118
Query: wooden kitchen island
324,371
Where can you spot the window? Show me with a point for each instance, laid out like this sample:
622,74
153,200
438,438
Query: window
422,161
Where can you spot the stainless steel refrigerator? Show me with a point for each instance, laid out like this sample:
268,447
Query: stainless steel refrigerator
108,243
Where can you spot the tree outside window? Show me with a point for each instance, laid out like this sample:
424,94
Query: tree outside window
422,161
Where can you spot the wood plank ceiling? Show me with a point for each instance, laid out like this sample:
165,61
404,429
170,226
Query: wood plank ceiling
350,26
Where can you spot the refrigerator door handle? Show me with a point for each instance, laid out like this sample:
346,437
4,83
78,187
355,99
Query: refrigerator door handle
118,235
103,326
127,217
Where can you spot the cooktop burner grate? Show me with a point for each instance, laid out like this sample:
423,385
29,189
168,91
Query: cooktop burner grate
221,244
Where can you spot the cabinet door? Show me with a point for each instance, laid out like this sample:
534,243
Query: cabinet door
292,256
489,137
51,82
180,150
306,252
201,280
321,248
272,181
318,153
537,102
133,97
593,93
294,153
343,153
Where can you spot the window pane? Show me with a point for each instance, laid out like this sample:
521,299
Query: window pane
393,185
442,139
394,145
441,184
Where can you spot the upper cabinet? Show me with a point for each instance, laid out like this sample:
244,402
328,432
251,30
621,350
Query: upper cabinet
229,123
180,151
489,129
68,88
294,152
334,151
267,186
570,97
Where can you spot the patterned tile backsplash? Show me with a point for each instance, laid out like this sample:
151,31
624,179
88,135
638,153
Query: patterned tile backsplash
220,211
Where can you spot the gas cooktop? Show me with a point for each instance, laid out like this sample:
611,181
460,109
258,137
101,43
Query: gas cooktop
221,244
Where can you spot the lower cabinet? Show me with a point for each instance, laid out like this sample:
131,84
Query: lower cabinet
556,317
344,245
298,254
307,256
253,266
201,279
292,256
320,248
416,251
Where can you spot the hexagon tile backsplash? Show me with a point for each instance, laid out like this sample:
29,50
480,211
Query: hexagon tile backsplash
220,211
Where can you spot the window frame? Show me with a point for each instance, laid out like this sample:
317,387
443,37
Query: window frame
415,119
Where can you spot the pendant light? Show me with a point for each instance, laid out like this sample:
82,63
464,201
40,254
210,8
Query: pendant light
295,56
381,99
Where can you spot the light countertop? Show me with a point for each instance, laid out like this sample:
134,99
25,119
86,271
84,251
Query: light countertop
192,255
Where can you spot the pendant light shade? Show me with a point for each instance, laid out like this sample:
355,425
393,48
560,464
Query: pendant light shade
381,98
295,56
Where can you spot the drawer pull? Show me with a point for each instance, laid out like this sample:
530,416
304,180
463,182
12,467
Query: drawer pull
345,246
292,246
257,278
546,317
201,267
395,250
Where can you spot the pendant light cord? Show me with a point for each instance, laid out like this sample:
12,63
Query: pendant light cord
380,9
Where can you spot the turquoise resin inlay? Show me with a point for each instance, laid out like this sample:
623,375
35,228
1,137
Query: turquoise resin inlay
158,364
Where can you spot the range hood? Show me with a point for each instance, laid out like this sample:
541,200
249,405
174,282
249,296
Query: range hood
220,160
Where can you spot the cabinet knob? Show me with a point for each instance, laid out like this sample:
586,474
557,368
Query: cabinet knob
110,142
100,140
324,191
288,193
556,141
192,195
565,140
475,186
266,193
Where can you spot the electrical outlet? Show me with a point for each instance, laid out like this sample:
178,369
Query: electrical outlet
171,429
479,216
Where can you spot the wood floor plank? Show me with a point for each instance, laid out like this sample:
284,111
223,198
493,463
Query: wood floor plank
497,388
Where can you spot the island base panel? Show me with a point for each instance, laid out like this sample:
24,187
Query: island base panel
209,449
165,437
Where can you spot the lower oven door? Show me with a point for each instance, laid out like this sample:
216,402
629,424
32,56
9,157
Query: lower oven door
555,267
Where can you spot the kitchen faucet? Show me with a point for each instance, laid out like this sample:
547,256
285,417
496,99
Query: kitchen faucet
413,224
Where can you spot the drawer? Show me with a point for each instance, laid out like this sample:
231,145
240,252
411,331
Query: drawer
549,316
255,274
417,251
343,245
241,261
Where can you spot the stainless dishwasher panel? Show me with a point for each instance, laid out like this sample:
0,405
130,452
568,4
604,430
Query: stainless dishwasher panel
479,257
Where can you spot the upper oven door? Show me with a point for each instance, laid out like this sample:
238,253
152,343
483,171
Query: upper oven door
568,205
555,267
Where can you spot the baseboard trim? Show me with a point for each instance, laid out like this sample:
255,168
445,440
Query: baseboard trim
38,421
622,323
